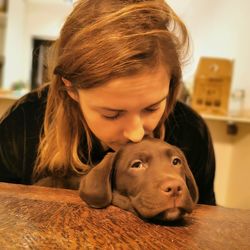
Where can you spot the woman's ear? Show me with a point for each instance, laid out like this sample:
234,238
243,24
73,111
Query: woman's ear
71,93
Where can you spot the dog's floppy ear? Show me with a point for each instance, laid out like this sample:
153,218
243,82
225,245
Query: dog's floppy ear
95,186
191,184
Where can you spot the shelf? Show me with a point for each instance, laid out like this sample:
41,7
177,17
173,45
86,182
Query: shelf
12,95
229,119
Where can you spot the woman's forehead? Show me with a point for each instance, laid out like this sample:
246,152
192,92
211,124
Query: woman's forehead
145,78
147,87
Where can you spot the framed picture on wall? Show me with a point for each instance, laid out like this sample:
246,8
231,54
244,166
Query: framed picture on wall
212,86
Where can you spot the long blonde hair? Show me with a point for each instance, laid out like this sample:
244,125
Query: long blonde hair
101,41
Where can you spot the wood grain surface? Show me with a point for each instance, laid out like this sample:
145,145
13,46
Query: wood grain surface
33,217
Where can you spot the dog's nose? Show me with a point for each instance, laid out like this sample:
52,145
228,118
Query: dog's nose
172,188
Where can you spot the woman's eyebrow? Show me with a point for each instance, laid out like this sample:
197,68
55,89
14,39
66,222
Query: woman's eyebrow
121,110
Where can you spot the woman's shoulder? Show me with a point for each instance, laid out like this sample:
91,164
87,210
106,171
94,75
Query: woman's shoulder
33,103
184,115
19,136
34,99
184,123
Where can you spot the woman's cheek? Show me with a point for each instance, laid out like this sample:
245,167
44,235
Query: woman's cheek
101,126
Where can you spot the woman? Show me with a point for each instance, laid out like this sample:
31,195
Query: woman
115,75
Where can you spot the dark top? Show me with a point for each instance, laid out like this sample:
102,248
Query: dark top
20,129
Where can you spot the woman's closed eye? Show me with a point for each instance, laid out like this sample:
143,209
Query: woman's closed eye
155,107
119,114
151,110
113,116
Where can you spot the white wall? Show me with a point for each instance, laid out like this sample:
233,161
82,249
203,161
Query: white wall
13,45
232,181
219,28
26,20
43,21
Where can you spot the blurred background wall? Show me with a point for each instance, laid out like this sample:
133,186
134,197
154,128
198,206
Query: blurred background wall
219,28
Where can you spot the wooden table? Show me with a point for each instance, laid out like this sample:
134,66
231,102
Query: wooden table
46,218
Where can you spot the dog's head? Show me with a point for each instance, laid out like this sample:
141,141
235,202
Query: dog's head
150,178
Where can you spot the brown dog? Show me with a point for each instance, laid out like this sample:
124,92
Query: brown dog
150,178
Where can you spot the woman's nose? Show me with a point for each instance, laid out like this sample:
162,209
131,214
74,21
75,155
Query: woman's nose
134,130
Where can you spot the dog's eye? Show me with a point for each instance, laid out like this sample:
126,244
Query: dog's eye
136,164
176,161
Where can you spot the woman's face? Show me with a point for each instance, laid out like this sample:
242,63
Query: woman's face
126,109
